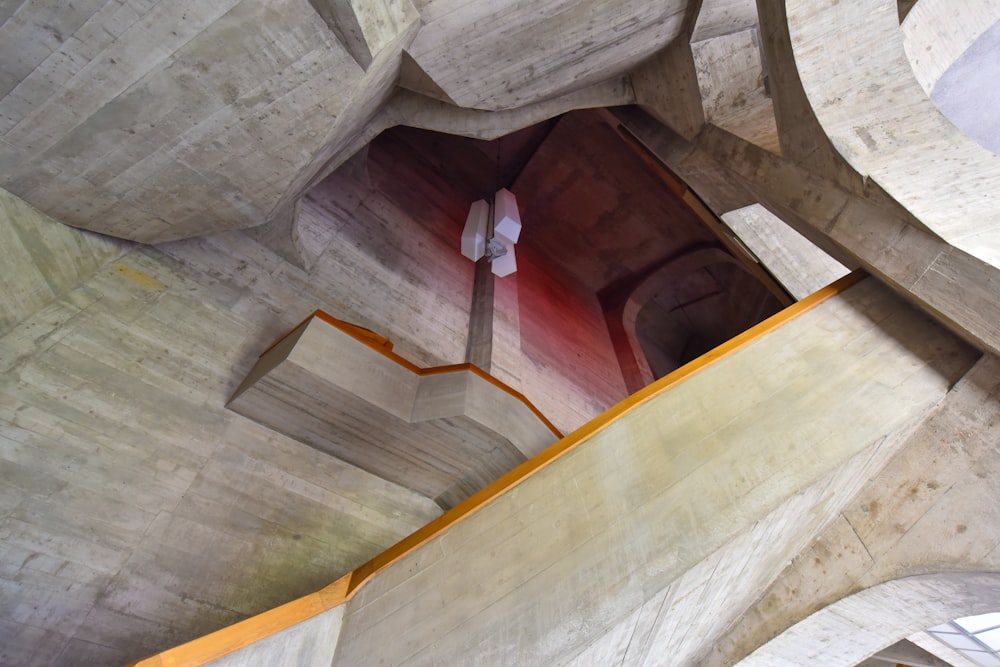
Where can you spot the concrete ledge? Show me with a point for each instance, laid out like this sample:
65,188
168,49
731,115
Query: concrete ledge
210,647
444,432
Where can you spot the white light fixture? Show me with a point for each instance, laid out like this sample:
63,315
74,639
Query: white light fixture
494,238
506,219
474,233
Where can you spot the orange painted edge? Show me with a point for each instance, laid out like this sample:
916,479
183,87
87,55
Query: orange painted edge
359,333
239,635
557,450
479,372
244,633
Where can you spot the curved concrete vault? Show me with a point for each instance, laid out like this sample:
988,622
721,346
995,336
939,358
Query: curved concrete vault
855,627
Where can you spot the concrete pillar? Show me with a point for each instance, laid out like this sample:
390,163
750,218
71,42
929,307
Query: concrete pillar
479,348
494,342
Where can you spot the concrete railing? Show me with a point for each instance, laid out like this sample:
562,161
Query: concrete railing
327,603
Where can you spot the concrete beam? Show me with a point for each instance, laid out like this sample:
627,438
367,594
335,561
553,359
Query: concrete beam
365,28
506,54
537,591
800,266
413,110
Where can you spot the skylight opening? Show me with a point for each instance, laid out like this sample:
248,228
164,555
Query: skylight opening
975,637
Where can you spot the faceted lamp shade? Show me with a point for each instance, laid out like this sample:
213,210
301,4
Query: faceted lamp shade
505,264
474,233
506,219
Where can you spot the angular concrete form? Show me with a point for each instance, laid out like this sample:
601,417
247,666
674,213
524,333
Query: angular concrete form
611,580
444,432
279,155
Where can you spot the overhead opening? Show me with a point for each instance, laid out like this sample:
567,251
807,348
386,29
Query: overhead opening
623,274
974,637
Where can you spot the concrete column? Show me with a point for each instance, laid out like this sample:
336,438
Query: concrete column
494,342
479,349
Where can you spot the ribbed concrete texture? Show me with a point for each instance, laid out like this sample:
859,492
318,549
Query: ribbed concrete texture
137,512
902,525
311,643
444,435
283,156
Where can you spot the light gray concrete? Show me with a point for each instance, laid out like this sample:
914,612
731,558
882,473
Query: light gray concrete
607,550
792,259
135,511
897,536
731,78
862,627
908,653
443,435
936,33
29,286
156,121
881,121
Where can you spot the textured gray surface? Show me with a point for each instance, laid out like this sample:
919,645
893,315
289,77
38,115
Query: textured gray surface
609,550
444,435
161,119
311,643
137,512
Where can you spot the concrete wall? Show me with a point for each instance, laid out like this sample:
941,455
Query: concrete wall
135,511
797,264
387,241
104,102
569,369
932,510
589,555
70,257
126,470
311,643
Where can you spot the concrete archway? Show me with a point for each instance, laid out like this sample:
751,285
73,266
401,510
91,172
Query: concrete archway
878,116
634,356
859,625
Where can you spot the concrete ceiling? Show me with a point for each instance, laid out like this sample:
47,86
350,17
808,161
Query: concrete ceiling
596,212
591,205
156,121
588,203
159,121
